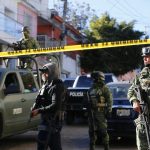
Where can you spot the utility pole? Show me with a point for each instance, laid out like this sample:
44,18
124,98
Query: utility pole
63,39
64,32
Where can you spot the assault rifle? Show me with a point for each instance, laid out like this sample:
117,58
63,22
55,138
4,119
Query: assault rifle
144,114
90,112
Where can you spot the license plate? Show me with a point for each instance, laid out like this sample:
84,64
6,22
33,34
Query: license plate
123,112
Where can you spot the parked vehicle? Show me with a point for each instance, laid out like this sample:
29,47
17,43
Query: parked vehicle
68,82
18,91
121,124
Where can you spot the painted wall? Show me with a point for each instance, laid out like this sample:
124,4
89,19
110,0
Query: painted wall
28,17
69,64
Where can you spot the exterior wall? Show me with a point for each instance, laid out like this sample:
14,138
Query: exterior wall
26,12
41,6
9,26
48,30
129,76
11,7
28,17
69,64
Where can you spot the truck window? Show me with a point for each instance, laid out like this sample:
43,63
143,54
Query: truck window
84,81
28,82
11,84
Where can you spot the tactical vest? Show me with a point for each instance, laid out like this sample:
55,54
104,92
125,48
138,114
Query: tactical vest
97,99
144,80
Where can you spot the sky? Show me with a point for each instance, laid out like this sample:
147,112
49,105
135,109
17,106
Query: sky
122,10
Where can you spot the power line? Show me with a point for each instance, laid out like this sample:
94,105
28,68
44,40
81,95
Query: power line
124,9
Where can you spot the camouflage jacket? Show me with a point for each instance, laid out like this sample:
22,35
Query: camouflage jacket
101,97
30,43
143,80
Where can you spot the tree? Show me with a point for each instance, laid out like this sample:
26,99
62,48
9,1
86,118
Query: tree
117,60
77,15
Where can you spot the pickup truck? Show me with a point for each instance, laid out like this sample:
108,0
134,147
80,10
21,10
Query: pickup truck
18,90
75,101
74,106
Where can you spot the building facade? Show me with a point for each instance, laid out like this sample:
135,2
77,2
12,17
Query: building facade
45,24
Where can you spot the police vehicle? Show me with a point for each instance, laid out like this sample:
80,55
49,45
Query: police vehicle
121,122
68,82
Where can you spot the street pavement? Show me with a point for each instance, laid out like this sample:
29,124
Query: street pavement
73,138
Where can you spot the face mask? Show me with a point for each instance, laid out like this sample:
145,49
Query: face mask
44,78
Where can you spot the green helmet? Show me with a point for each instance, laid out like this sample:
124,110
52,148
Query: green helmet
96,75
145,51
26,29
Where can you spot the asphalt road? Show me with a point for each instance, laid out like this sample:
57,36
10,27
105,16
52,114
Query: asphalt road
73,138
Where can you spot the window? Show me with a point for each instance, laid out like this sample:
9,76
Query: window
84,81
119,91
28,82
12,84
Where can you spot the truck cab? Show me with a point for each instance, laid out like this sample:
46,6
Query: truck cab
75,101
18,91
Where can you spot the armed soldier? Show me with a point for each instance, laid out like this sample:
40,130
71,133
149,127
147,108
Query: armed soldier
100,106
27,42
141,102
49,104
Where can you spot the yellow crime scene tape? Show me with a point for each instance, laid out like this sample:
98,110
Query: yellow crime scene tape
74,48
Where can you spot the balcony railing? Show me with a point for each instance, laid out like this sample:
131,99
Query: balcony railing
45,41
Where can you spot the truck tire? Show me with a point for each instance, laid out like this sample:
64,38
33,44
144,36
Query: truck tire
69,117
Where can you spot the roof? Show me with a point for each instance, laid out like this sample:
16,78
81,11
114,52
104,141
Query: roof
118,82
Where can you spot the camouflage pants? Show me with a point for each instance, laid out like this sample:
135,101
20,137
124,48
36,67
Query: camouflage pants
100,129
141,139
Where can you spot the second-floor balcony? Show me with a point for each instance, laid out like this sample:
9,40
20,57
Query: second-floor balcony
45,41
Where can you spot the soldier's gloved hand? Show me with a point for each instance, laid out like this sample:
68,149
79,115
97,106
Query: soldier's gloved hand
136,106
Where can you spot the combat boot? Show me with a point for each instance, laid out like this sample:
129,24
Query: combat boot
106,147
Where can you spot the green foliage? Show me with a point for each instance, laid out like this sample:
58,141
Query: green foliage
78,15
117,60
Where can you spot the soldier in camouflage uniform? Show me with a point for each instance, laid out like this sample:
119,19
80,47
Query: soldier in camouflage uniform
143,80
27,42
101,107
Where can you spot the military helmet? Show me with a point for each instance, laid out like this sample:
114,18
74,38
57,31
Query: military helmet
98,75
26,29
145,51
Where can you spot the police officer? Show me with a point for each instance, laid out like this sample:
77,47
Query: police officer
49,104
143,80
101,107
